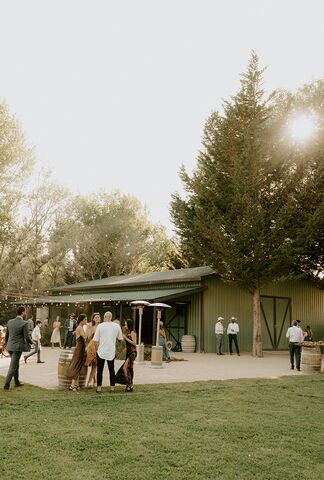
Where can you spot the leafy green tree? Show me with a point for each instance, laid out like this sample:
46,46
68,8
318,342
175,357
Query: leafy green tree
44,204
61,239
306,253
16,161
105,235
247,192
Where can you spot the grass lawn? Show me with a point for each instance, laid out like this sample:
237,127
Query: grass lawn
240,429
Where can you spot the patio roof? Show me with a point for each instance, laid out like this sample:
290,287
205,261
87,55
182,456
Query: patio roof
127,296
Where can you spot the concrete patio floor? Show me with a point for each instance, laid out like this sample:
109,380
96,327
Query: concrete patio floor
196,367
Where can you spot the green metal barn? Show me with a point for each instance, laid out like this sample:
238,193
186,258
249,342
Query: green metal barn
197,298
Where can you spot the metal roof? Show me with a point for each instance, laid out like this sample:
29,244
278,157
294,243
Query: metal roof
165,276
126,296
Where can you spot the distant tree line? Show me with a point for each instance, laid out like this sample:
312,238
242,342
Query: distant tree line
49,237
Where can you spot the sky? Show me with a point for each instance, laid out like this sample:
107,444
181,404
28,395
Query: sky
114,94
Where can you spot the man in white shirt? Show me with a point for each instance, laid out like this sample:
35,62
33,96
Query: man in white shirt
36,338
219,332
232,331
295,336
105,340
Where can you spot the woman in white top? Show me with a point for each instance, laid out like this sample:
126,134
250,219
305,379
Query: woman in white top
56,334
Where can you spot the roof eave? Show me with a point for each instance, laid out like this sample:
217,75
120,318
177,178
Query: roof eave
121,284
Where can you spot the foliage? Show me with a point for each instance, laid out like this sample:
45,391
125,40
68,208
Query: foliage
16,160
248,191
306,253
175,431
48,237
44,203
254,197
109,234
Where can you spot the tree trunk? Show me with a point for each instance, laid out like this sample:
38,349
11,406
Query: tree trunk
257,337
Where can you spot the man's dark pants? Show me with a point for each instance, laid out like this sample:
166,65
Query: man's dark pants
231,337
294,350
68,339
100,367
13,370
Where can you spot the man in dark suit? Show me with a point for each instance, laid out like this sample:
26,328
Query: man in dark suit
70,326
17,340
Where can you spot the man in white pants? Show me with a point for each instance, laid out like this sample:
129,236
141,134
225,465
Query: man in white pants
105,340
219,332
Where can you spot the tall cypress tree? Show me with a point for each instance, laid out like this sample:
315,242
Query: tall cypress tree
241,204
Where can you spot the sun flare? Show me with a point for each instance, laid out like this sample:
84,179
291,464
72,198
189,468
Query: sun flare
302,127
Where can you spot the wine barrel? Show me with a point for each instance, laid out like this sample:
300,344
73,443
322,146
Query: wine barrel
83,376
311,359
63,363
188,343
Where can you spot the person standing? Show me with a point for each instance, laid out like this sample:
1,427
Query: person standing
56,334
125,374
70,326
308,334
91,351
3,350
2,337
219,332
31,325
17,340
232,331
105,338
163,344
77,362
295,337
36,338
299,324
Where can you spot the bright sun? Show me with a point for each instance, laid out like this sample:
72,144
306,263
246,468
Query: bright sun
301,127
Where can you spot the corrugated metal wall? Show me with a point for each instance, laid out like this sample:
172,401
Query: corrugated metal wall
307,303
226,300
193,319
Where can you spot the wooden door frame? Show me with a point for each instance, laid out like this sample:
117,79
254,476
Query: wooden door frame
276,339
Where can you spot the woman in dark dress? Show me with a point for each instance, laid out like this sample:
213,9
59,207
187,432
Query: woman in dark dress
125,374
77,362
308,334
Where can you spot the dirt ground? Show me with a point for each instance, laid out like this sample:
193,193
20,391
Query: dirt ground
192,367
